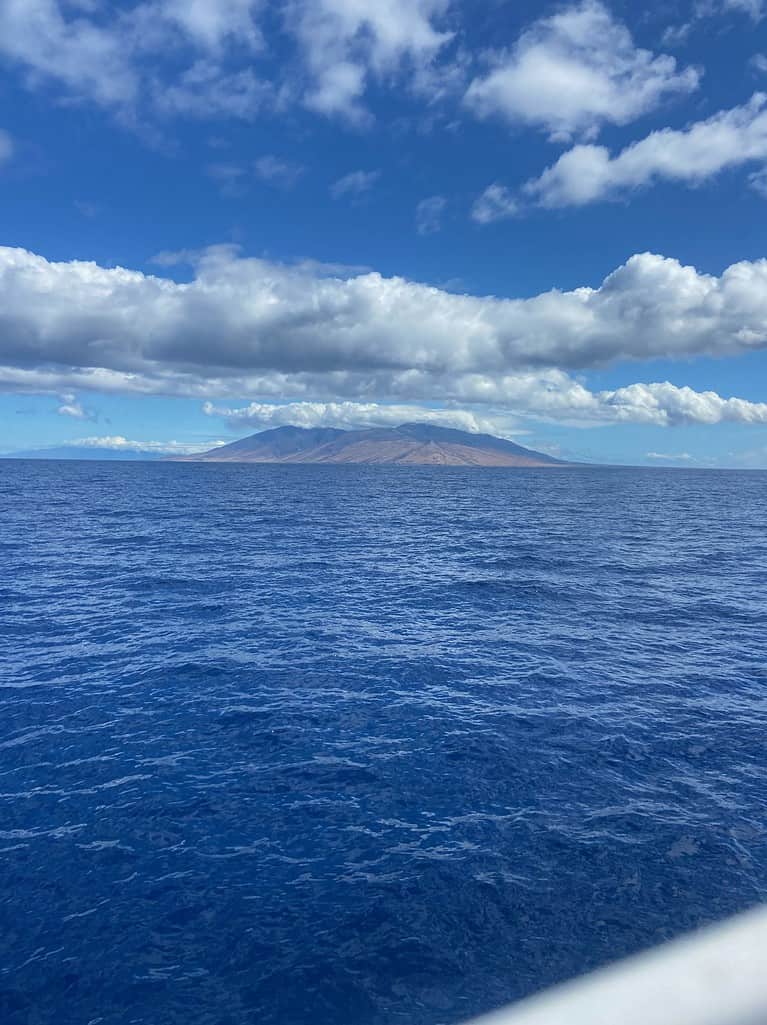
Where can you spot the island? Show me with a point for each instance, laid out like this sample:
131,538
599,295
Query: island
414,444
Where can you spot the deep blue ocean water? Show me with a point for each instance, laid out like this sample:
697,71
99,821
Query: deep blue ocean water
368,746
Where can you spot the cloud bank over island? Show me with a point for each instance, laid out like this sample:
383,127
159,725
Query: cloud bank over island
268,331
117,443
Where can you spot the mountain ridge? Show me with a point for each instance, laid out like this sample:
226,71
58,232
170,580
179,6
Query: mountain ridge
413,444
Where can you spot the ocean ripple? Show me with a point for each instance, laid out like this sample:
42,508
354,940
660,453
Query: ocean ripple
368,746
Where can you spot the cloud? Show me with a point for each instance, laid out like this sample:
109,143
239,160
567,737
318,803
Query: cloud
676,34
495,204
353,415
86,208
428,215
569,73
354,183
6,147
759,63
261,329
666,405
758,181
575,71
275,171
71,407
587,173
750,459
679,457
189,57
116,443
754,8
207,90
76,52
230,180
213,23
233,179
658,404
345,43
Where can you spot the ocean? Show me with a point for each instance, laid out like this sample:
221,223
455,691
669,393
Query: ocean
337,745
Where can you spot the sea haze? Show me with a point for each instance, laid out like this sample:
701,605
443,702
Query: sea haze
350,745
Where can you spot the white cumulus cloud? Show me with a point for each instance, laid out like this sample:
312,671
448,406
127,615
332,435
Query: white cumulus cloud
71,407
666,405
552,397
587,173
347,42
569,73
265,330
354,415
574,71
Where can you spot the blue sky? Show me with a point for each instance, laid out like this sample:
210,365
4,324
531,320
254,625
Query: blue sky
542,220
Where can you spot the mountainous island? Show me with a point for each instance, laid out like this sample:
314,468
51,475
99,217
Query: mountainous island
410,444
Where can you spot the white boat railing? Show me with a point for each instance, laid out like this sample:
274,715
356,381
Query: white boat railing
717,976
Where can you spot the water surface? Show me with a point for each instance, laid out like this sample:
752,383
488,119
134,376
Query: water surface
368,746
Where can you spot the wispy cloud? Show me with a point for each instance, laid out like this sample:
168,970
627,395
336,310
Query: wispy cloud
755,9
113,61
87,209
204,58
350,415
354,183
231,178
495,204
674,35
276,171
428,215
7,147
671,457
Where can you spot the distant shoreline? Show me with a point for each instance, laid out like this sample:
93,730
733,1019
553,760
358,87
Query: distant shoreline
165,461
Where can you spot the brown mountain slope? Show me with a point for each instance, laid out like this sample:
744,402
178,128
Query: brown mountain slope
410,444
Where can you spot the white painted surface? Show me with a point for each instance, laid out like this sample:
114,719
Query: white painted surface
717,976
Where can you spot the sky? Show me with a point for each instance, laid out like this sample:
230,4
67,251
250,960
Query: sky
541,220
